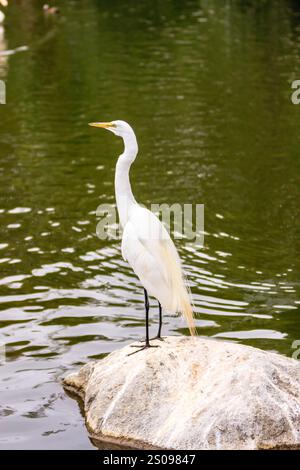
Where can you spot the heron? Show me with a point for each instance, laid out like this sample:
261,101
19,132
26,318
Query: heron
146,244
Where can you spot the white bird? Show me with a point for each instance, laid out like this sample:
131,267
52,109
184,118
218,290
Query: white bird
146,244
3,3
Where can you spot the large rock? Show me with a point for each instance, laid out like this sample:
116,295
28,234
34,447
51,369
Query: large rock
192,393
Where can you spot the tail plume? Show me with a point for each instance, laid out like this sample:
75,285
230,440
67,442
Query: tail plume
187,311
181,301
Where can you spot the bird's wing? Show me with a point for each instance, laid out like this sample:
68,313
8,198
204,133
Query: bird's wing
154,237
144,264
148,248
150,251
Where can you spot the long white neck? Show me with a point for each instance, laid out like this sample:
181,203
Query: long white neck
124,196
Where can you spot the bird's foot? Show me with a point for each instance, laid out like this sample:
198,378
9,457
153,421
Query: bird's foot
159,338
141,348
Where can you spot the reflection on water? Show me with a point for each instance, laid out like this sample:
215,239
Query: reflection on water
207,87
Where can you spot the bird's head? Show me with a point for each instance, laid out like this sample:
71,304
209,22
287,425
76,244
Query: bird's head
119,128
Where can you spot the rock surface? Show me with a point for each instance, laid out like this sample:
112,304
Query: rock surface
192,393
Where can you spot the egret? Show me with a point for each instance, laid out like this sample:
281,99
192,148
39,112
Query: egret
146,244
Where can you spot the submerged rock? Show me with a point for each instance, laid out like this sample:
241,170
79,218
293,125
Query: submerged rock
192,393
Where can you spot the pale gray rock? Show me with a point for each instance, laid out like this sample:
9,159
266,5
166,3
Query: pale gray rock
192,393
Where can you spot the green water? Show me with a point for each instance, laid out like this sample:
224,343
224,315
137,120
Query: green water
206,85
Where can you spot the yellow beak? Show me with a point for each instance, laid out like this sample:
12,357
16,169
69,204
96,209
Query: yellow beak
104,125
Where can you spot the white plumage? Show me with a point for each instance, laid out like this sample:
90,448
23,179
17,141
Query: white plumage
146,244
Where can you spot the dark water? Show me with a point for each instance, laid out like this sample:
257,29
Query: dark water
206,85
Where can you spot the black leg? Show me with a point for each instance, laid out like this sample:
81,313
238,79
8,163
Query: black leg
160,321
147,306
147,342
160,324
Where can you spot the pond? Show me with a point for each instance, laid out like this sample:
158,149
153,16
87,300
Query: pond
207,87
